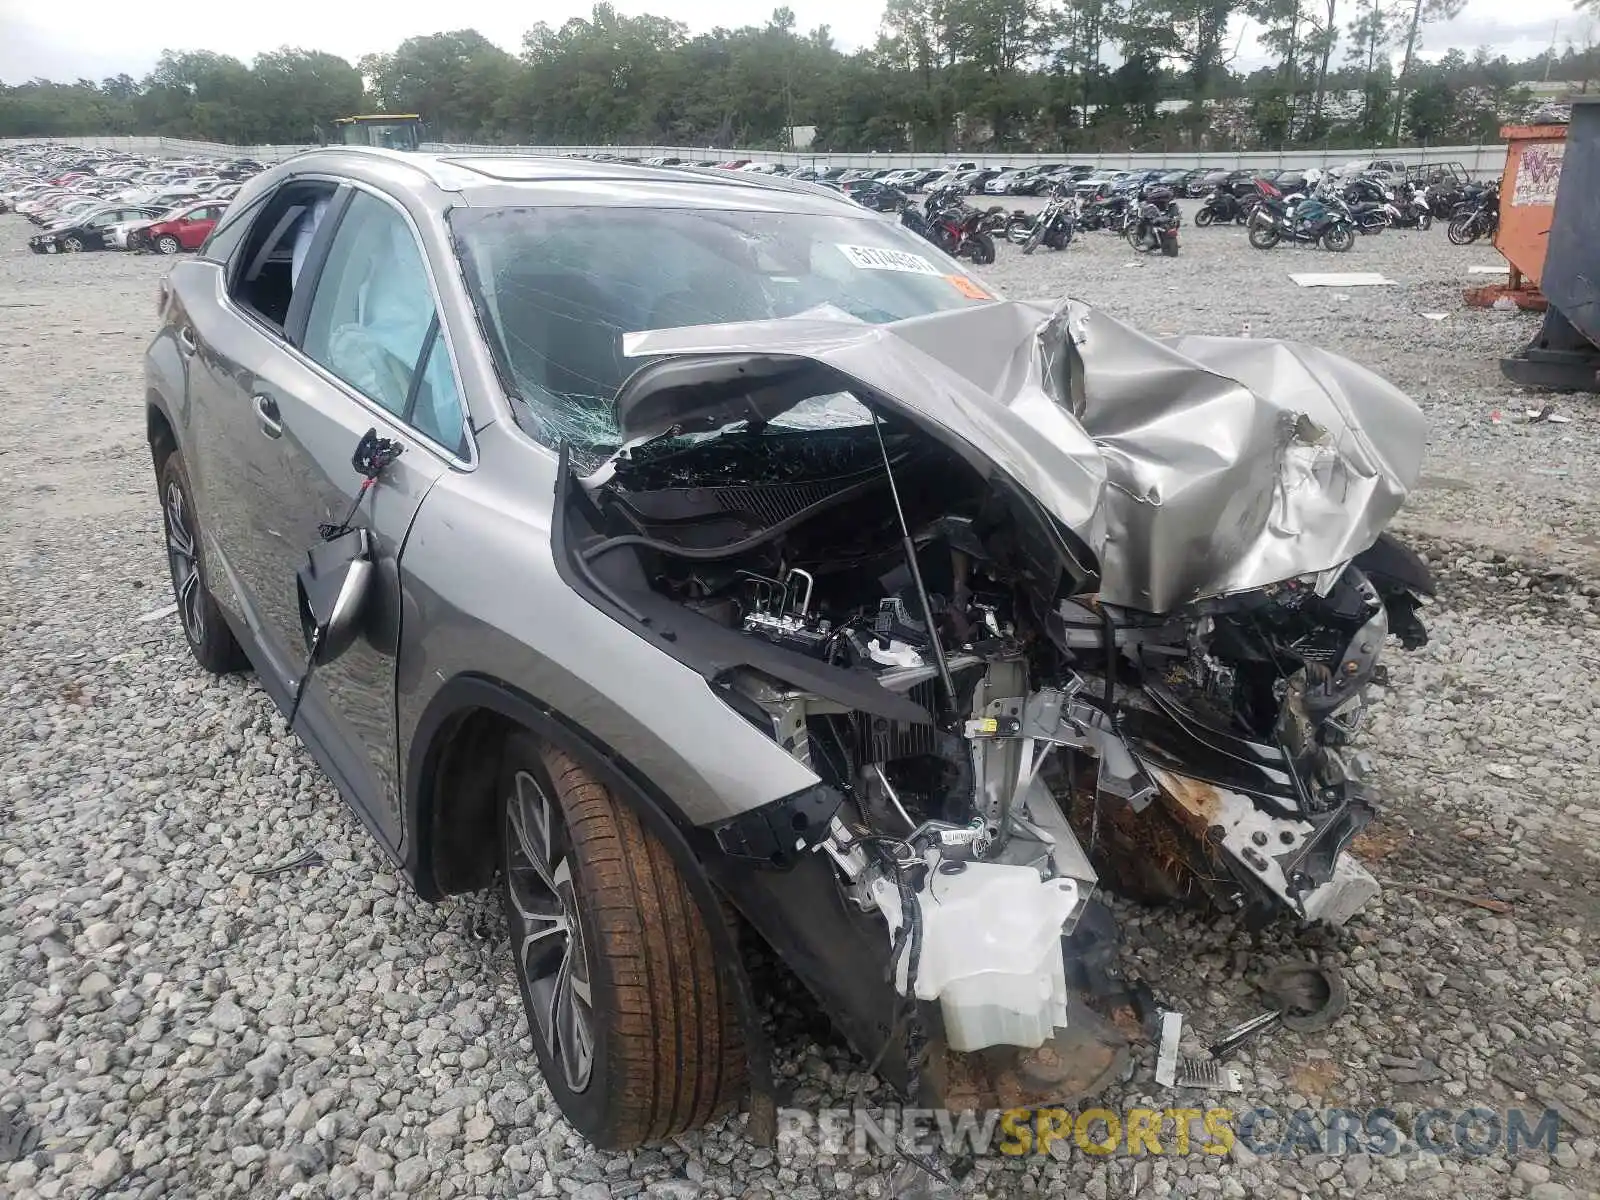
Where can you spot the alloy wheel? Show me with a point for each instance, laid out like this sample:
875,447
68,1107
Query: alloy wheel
546,933
183,559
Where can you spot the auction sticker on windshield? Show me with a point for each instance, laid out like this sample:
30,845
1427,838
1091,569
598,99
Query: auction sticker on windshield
876,258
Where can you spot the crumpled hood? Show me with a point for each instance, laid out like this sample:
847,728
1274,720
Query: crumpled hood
1193,467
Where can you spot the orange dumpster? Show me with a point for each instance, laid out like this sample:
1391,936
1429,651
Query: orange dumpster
1534,154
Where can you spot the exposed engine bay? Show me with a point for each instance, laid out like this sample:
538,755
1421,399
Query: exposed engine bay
995,737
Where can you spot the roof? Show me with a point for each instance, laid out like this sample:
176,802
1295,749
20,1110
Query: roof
515,180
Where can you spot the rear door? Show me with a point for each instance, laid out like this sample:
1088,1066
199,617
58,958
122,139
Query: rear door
366,352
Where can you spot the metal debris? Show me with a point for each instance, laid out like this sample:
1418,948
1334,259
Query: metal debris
1208,1075
1239,1034
311,858
1167,1059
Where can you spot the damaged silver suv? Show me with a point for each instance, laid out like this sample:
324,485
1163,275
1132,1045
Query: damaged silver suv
688,553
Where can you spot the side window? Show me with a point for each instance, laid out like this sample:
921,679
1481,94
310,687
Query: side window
264,268
372,322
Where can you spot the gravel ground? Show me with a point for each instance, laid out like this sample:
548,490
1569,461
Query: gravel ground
173,1025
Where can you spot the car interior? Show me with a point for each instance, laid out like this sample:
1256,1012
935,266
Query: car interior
264,281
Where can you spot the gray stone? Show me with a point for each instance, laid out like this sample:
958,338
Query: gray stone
225,1017
102,935
445,1128
370,1160
409,1174
302,1116
106,1168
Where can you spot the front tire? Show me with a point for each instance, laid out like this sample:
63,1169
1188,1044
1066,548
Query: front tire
1204,217
1463,231
635,1028
72,245
204,627
167,244
1339,238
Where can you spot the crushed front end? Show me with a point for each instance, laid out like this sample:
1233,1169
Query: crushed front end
930,600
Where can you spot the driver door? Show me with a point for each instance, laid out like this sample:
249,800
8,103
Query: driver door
367,353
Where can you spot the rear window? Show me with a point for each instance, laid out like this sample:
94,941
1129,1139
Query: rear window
557,288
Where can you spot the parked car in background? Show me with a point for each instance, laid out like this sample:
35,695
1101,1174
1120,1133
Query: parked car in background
72,205
1030,181
1391,169
116,236
999,184
85,233
185,229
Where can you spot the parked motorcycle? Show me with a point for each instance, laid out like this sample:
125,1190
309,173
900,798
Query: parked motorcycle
1155,226
1469,223
1413,207
1053,227
1221,208
1105,212
1310,222
953,225
1445,202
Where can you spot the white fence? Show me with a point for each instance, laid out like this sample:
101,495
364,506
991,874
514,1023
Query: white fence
1479,160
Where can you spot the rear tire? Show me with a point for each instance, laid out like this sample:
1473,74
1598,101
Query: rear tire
980,247
1463,231
204,627
1264,237
665,1048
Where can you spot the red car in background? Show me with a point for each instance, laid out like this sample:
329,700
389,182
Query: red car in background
186,230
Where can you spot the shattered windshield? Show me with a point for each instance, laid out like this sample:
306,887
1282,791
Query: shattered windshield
557,288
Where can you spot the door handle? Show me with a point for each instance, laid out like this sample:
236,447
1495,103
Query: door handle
186,339
267,415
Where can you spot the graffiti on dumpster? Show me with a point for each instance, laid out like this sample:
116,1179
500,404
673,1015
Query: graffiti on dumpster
1538,174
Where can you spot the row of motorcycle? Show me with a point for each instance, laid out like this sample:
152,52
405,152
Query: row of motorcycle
1334,212
1149,221
1331,214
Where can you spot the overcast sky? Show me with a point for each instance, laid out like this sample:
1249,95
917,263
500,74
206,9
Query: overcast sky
96,38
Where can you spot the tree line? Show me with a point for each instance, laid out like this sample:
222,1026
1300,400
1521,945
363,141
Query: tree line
1046,75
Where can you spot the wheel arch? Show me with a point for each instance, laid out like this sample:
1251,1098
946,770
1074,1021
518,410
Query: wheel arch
450,782
159,432
451,821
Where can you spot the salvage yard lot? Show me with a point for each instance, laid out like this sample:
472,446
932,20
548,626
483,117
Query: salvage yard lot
173,1024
